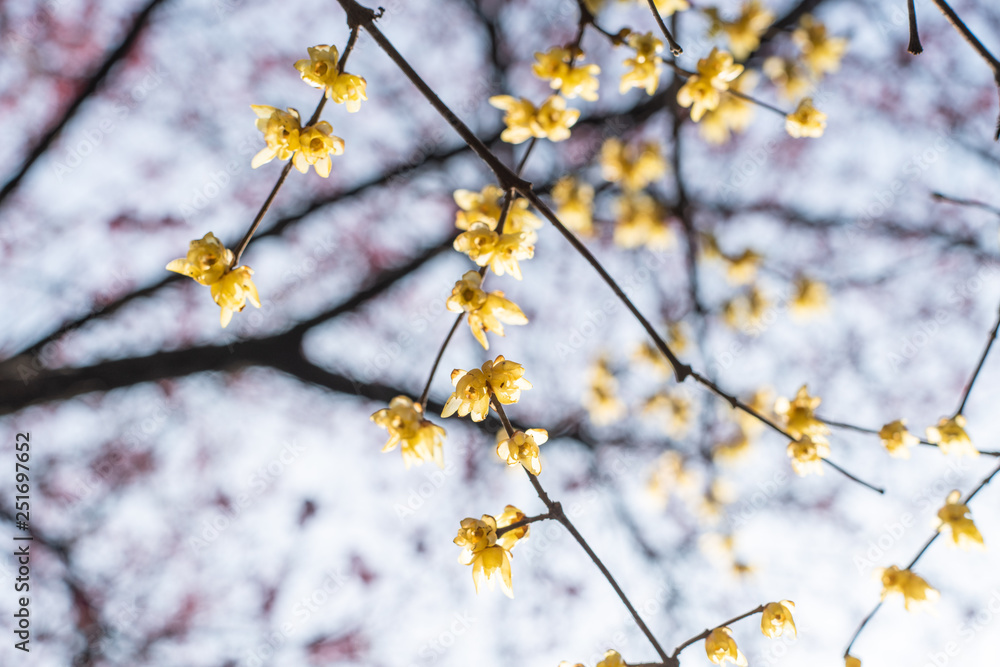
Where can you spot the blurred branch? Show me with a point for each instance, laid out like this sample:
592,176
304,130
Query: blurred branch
90,87
976,45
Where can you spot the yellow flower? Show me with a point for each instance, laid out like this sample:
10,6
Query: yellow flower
669,474
487,312
478,242
810,297
510,516
519,118
554,67
601,400
501,252
746,310
732,449
506,379
611,659
551,121
807,454
232,291
316,145
851,661
485,206
791,79
777,618
471,395
745,32
421,440
478,539
281,132
522,448
733,114
554,119
897,439
321,71
821,54
676,410
501,378
805,121
509,249
639,221
670,7
207,259
798,414
742,269
950,437
702,91
574,204
645,66
915,591
721,647
632,167
955,515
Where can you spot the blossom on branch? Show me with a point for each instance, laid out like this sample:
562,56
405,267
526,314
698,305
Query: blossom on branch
570,80
550,121
897,440
419,439
721,647
473,389
702,91
915,591
522,447
208,262
321,70
807,454
950,437
777,618
805,121
955,516
646,66
487,312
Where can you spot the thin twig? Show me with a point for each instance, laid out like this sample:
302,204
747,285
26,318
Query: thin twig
977,46
437,360
979,367
706,633
556,512
914,46
675,48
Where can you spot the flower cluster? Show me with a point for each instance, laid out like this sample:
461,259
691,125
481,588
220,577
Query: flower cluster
646,66
420,439
745,31
702,91
557,67
488,554
632,167
810,447
550,121
473,389
210,263
486,311
321,70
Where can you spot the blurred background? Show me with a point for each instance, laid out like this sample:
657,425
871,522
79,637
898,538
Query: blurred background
218,497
